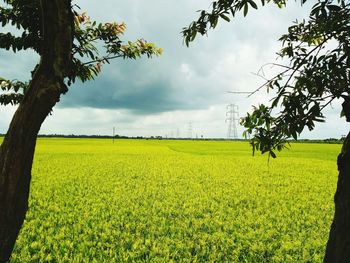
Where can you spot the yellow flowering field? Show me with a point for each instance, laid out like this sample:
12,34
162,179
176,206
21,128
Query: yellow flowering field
177,201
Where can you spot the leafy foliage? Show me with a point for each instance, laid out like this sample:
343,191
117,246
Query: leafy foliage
89,35
221,9
317,71
25,16
12,91
87,60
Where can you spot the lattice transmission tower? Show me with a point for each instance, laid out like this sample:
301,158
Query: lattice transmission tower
232,117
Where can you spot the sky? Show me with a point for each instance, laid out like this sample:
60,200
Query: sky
182,93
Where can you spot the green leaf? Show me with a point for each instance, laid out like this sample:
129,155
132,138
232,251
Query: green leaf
294,134
273,155
342,114
225,17
245,9
253,4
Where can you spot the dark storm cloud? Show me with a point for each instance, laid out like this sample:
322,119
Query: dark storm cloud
145,98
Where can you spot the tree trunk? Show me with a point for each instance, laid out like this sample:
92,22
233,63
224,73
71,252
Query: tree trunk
17,149
338,246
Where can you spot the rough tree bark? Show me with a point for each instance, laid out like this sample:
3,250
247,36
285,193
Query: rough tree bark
338,246
17,149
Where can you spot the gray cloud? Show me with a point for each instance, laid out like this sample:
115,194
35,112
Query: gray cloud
17,66
183,78
144,99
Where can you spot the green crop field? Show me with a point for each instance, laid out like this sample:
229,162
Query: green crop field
177,201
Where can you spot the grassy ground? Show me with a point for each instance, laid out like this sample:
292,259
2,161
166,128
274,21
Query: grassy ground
162,201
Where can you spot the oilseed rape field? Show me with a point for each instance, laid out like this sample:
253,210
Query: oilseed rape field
177,201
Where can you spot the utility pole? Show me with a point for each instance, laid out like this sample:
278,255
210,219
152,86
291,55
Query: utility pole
113,134
232,117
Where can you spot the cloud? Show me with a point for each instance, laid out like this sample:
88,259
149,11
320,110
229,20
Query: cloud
161,95
143,98
17,66
183,78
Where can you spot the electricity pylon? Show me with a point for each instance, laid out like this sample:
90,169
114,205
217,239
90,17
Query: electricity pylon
232,117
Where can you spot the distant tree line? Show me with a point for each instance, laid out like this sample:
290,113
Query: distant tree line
329,140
